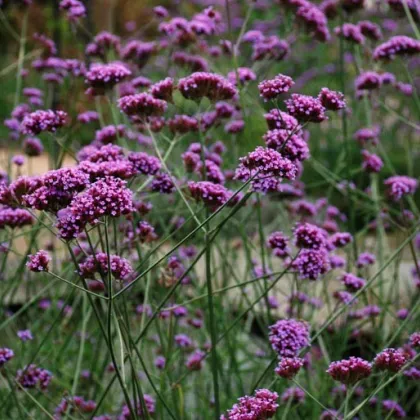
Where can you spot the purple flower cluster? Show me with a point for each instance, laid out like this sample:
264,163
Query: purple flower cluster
309,236
289,367
291,146
144,163
120,267
331,99
288,337
40,121
390,359
278,242
397,45
142,105
202,84
102,77
350,371
272,88
163,89
33,376
74,9
14,217
263,405
306,108
105,197
352,282
211,194
350,32
311,264
399,186
5,355
39,261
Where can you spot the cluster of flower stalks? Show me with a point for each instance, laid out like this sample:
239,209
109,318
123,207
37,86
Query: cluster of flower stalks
227,228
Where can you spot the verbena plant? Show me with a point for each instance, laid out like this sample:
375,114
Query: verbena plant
224,228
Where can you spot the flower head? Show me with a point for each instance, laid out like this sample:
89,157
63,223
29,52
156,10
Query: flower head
203,84
40,121
306,108
272,88
288,337
350,371
39,261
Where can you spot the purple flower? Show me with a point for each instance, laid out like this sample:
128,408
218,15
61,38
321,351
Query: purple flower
281,120
405,88
262,405
344,297
367,135
5,355
352,282
392,408
278,242
162,183
160,12
235,126
309,236
314,20
390,359
399,186
183,124
102,77
191,61
272,88
144,163
183,341
293,395
306,108
14,217
160,362
40,121
350,371
371,163
195,360
139,52
397,45
32,146
74,9
141,81
368,80
87,117
211,194
163,89
150,404
288,337
142,105
56,189
415,340
370,30
350,32
267,162
331,99
25,335
244,74
289,367
39,261
330,414
120,267
340,239
105,197
210,85
412,373
291,146
311,264
32,376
